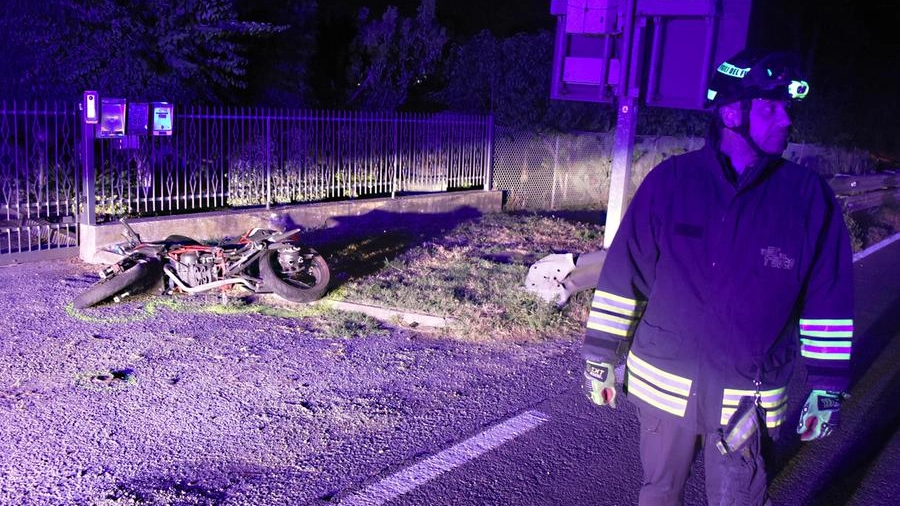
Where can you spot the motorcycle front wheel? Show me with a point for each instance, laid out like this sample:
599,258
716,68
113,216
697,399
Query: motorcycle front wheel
295,276
140,275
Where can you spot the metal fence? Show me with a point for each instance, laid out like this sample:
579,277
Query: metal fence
38,178
232,157
55,175
226,157
551,171
558,171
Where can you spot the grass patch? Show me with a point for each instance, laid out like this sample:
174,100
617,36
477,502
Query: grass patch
348,325
474,274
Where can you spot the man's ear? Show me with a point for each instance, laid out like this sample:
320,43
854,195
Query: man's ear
730,115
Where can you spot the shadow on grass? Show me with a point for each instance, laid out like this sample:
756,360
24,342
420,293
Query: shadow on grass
357,246
589,216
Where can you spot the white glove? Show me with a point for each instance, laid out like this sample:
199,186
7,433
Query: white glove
600,383
820,415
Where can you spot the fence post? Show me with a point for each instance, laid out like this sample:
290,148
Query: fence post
555,174
394,181
489,155
88,174
267,140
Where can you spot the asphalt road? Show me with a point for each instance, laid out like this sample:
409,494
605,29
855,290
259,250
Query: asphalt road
146,403
561,450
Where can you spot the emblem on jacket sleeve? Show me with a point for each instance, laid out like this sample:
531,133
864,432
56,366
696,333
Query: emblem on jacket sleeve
775,258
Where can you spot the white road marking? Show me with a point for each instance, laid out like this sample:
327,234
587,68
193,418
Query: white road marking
872,249
407,479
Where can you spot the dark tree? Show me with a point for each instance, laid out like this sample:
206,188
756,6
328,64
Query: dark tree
510,78
279,70
182,50
391,54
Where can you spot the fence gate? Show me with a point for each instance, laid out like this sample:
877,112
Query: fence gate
39,172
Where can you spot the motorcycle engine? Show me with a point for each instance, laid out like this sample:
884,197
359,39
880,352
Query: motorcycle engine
195,269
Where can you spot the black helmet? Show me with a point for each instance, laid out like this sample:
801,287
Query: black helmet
757,74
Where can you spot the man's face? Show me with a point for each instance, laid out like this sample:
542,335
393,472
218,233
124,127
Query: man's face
770,124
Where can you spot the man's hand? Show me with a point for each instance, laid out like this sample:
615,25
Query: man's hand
600,383
820,415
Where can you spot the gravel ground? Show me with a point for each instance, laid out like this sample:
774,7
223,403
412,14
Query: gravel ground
162,401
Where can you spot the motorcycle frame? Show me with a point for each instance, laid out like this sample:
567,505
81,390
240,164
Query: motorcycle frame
235,260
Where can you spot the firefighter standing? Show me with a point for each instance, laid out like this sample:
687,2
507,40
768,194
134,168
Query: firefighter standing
728,263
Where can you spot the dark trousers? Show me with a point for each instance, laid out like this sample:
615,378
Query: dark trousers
667,453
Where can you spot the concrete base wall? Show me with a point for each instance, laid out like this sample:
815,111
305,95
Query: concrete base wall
359,216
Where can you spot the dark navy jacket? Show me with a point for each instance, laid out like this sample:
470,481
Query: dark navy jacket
717,284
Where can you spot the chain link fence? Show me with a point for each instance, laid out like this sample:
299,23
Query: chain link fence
571,171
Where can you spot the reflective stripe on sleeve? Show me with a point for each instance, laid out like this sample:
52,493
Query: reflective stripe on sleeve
664,390
833,351
617,304
826,339
609,323
614,314
826,328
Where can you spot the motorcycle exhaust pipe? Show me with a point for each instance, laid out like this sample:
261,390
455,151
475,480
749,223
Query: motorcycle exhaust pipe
202,288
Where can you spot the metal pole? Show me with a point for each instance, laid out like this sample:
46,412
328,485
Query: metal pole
394,180
88,174
626,123
623,147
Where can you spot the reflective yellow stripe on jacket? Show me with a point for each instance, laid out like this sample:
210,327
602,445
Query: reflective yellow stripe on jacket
664,390
774,402
826,339
670,392
614,314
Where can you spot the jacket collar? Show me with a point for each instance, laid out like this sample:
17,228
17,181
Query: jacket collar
756,172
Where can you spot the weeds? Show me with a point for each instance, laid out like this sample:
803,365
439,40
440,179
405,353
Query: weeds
474,276
871,226
347,325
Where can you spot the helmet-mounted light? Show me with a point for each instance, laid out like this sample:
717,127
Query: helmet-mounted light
798,90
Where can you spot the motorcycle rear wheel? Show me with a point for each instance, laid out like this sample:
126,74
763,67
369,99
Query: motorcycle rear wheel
136,278
303,281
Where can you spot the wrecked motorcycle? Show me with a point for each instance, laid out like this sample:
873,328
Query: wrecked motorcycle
262,261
